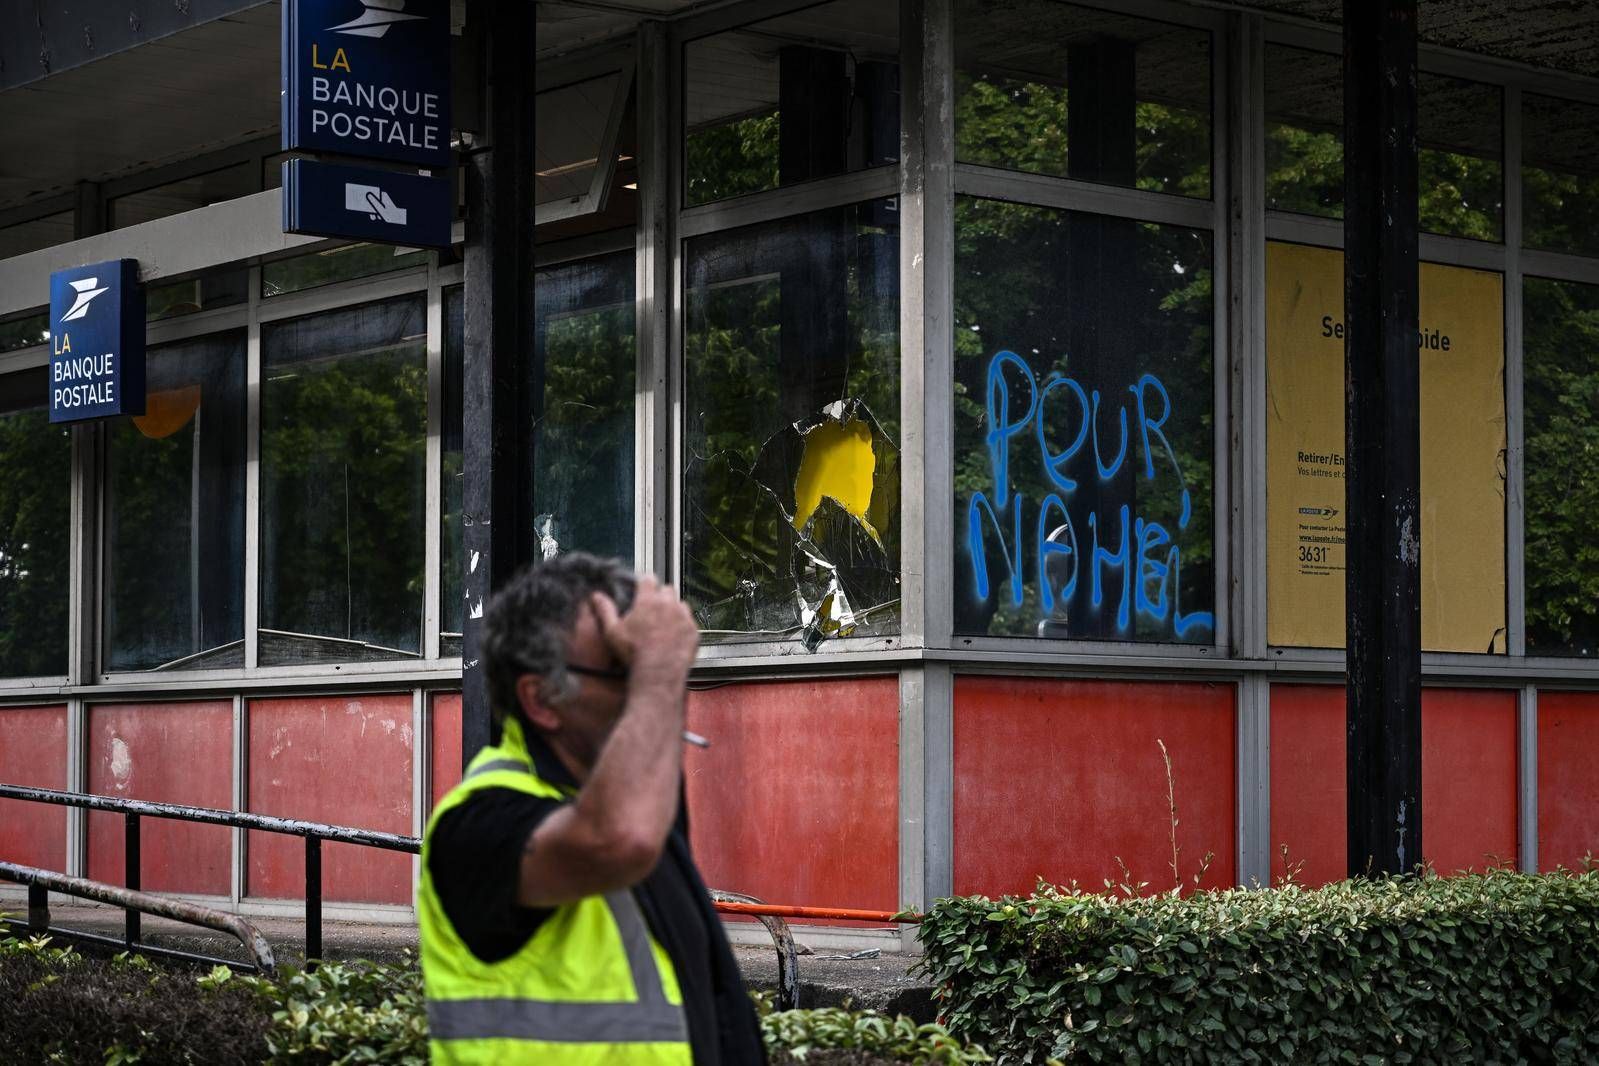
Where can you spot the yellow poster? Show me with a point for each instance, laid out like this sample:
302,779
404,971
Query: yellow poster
1462,351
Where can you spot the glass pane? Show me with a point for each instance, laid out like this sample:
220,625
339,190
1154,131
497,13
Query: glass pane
791,453
1460,167
569,128
343,445
1084,447
344,263
803,96
24,331
174,513
220,288
1304,132
229,183
33,235
452,556
585,366
1561,394
1560,174
35,520
1050,88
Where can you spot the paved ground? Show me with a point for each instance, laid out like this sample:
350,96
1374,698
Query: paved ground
881,982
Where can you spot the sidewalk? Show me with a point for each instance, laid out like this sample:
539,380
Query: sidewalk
879,983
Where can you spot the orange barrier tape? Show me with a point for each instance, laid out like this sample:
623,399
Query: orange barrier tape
828,913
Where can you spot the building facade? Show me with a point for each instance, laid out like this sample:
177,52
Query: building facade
972,366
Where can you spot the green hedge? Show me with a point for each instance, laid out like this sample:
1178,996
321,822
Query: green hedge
1495,968
60,1006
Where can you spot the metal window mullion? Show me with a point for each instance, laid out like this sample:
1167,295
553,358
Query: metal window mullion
654,255
927,280
672,260
820,194
236,879
1073,194
252,477
1527,778
198,324
77,781
421,776
432,546
83,539
1254,780
1515,365
1223,412
337,295
1246,334
1559,266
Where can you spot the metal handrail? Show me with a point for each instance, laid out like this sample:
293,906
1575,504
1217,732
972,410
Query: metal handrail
42,882
314,833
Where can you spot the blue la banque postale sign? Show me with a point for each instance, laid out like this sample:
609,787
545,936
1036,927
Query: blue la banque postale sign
368,79
96,341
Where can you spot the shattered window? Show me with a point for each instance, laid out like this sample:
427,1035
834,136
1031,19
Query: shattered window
1084,413
343,448
35,529
585,359
791,427
174,513
807,95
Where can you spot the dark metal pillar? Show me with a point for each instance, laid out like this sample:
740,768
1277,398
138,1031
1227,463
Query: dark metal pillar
498,336
1383,437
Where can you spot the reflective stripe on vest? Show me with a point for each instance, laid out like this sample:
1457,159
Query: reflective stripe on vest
652,1018
498,764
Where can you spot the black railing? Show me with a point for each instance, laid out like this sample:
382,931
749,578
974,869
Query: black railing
314,834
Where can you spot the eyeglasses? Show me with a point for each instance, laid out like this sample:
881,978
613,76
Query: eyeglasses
603,675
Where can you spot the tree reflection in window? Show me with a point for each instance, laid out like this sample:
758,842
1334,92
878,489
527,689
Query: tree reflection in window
35,514
1084,415
343,445
585,363
791,454
174,506
1561,397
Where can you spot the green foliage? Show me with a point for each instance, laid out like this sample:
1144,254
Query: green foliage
1562,440
732,158
35,512
343,1014
897,1039
1500,967
58,1006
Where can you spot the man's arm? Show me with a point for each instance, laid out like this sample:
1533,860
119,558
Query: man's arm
612,835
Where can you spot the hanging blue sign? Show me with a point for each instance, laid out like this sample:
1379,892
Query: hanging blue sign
368,78
96,341
366,204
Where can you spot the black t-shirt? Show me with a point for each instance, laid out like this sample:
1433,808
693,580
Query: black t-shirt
475,863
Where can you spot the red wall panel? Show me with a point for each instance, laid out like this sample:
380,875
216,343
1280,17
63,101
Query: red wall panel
1057,779
339,759
1468,779
797,800
33,752
169,753
1568,781
445,741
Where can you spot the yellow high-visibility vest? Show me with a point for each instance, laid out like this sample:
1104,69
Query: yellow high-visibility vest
590,987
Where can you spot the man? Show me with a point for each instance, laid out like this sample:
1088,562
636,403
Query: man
563,920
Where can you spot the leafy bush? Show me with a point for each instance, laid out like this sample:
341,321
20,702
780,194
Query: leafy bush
58,1006
1501,967
880,1038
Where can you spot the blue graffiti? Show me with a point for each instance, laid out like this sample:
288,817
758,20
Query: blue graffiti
1133,559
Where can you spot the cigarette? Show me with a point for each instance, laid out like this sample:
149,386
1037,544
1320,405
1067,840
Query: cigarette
695,739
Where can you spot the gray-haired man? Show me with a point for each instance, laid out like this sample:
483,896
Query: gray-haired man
563,919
